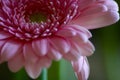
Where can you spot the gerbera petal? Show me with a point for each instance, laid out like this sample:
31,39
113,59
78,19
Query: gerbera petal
94,9
61,44
2,42
81,68
10,49
87,48
97,21
84,3
40,46
102,14
16,63
4,35
111,5
29,54
78,66
73,55
54,54
33,69
66,32
81,30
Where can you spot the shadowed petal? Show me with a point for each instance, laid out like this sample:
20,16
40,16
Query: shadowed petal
10,49
78,67
84,3
73,55
61,44
16,63
81,68
4,35
29,54
54,54
86,48
33,69
40,46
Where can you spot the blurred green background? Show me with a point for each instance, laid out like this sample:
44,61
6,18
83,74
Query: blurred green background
104,63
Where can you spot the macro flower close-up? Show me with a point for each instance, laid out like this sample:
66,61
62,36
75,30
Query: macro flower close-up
33,33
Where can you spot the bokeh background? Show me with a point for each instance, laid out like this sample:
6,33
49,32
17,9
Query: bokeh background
104,63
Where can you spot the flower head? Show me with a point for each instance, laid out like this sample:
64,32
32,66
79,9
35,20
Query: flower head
33,33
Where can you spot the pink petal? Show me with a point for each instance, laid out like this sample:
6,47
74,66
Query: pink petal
111,5
77,65
10,49
96,21
16,63
81,68
73,55
29,54
2,42
67,31
87,49
54,54
33,69
40,47
85,3
102,14
94,9
82,30
84,73
61,44
4,35
86,68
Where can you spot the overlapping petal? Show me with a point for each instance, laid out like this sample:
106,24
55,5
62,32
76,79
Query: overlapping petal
81,68
64,33
98,13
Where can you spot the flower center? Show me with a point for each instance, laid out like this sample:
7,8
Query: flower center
38,17
31,19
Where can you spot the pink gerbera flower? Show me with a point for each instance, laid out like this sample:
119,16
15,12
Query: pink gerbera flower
35,32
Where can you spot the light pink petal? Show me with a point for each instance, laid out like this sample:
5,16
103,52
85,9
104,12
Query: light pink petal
16,63
82,34
87,48
66,31
73,30
81,30
33,69
73,55
10,49
100,15
29,54
84,73
40,46
81,68
4,35
111,5
86,68
61,44
96,21
54,54
94,9
77,65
